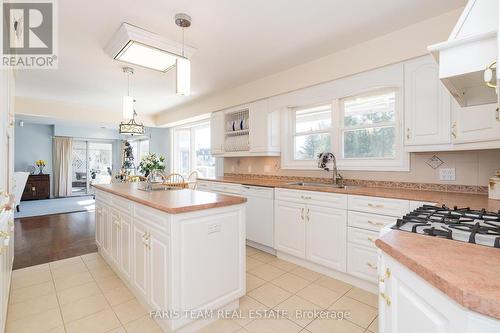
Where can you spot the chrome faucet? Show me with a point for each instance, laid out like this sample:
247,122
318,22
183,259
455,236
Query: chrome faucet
323,159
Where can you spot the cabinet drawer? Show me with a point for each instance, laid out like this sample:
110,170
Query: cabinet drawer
152,217
102,197
332,200
203,186
369,221
362,262
376,205
121,204
362,237
226,188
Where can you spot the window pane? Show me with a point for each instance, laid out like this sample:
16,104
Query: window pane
366,110
143,148
313,119
204,162
182,157
307,147
370,143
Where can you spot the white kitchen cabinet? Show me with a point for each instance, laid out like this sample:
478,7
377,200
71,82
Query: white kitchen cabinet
106,229
475,125
290,228
158,246
99,221
427,104
326,231
264,129
115,236
409,304
125,244
140,254
217,127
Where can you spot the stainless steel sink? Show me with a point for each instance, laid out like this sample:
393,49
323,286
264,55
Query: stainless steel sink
312,184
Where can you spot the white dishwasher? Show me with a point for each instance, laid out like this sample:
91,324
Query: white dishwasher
259,210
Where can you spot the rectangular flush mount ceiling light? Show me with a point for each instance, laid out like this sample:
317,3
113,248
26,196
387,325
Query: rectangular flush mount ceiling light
146,49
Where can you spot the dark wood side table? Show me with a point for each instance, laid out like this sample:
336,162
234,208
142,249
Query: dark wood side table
37,187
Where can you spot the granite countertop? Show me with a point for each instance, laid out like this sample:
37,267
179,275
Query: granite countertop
468,273
474,201
173,201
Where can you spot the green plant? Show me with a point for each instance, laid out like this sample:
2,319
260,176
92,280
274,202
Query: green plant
152,162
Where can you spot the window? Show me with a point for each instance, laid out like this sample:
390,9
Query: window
140,148
311,131
368,126
191,147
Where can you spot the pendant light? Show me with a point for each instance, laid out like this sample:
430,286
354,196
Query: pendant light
129,126
128,101
183,65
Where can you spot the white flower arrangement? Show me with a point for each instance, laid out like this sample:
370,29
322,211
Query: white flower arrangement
152,162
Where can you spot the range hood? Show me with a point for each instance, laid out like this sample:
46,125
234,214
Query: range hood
471,48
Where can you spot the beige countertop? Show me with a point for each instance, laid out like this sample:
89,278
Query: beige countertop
173,201
474,201
468,273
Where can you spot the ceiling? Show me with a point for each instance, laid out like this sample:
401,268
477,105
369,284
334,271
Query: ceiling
238,41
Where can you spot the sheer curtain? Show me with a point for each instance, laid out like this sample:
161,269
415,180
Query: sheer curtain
62,156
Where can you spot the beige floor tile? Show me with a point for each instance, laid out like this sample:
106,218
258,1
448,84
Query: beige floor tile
333,284
117,330
333,325
267,272
319,295
91,256
72,281
29,270
248,306
143,325
32,307
360,313
290,282
68,270
129,311
27,280
65,262
242,330
220,326
27,293
253,282
83,307
251,251
282,264
273,326
306,273
300,311
109,282
59,329
363,296
99,322
373,328
118,295
253,263
96,263
39,322
76,293
102,272
269,295
264,257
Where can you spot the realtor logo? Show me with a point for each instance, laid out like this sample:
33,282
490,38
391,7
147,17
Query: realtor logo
29,34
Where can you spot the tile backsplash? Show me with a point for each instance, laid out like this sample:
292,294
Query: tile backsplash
471,168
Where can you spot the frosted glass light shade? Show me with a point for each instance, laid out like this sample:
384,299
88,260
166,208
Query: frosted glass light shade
183,68
128,107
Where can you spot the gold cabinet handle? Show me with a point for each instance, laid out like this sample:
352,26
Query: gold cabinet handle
307,214
375,206
386,298
408,133
453,129
371,239
376,223
386,275
369,264
302,213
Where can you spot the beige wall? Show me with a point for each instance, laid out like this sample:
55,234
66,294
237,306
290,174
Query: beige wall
397,46
472,168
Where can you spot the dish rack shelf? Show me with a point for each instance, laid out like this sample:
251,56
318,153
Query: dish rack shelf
236,136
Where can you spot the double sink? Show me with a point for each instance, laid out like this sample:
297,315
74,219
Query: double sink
312,184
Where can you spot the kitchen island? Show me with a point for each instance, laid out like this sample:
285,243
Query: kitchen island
181,252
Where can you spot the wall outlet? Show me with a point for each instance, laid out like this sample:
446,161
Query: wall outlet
268,168
447,174
233,168
249,168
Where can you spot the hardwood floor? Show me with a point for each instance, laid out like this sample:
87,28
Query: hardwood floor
43,239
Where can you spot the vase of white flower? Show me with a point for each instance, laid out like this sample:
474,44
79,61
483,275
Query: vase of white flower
152,166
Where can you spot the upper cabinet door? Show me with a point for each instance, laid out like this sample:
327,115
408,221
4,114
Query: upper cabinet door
427,104
217,133
476,124
264,129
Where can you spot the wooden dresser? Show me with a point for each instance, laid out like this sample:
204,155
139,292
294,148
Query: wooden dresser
37,187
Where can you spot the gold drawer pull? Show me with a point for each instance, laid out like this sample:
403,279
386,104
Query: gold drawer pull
371,239
386,276
305,197
375,206
386,299
371,265
376,223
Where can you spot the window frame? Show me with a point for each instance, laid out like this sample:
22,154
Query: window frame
138,153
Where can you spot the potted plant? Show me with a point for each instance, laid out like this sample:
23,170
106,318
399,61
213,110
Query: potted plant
150,165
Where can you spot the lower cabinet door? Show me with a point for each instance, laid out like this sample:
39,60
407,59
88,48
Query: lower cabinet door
115,236
290,228
326,240
140,258
98,224
158,275
362,262
106,229
126,245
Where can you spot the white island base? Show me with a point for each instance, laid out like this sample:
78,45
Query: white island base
183,267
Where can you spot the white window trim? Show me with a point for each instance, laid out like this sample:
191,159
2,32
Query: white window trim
400,163
138,152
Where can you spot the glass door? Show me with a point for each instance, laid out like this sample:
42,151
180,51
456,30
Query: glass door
92,164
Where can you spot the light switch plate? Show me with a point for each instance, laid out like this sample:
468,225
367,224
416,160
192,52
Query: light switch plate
447,174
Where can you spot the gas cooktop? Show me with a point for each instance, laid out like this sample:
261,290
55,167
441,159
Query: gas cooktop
461,224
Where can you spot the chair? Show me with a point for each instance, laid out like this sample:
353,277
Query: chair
175,180
133,179
20,179
192,179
